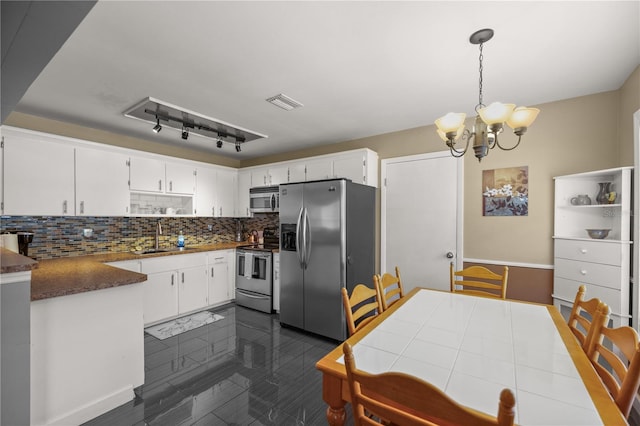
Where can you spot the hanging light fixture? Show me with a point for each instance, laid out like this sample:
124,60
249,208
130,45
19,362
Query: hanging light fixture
238,149
219,143
489,121
185,133
157,127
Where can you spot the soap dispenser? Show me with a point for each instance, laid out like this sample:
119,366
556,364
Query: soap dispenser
181,240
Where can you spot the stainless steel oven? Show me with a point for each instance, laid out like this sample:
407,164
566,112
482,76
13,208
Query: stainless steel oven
254,279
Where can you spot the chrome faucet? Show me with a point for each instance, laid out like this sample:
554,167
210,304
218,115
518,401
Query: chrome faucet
158,233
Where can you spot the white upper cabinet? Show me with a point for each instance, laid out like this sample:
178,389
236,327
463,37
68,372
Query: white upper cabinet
146,174
297,172
102,183
38,175
180,178
360,166
205,191
243,201
278,175
319,168
225,193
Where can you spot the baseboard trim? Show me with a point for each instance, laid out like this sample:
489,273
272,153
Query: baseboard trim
94,408
507,263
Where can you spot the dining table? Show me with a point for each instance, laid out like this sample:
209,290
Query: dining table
473,347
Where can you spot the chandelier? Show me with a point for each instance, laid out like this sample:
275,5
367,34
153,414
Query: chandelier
489,121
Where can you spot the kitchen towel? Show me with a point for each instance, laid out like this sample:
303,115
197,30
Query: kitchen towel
248,265
180,325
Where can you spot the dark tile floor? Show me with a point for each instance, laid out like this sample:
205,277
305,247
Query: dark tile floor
243,370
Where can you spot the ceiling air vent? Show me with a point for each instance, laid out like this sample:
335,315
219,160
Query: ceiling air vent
284,102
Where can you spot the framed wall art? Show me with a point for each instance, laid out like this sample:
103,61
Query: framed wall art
505,191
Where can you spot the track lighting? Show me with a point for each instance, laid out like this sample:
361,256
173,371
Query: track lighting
219,143
157,127
185,134
238,149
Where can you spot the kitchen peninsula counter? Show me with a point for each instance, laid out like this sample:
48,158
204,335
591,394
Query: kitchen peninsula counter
72,275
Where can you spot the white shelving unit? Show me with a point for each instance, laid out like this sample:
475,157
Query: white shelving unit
600,264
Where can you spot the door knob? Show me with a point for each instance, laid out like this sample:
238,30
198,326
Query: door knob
449,255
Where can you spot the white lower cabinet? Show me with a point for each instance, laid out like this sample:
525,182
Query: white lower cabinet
185,283
175,285
218,277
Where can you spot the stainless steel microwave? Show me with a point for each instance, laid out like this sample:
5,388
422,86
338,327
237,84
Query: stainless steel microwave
264,199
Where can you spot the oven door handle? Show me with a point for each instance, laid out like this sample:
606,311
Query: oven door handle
299,238
250,295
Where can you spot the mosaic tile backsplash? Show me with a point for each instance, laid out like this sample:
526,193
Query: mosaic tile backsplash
63,236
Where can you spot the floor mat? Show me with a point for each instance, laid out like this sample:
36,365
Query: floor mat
180,325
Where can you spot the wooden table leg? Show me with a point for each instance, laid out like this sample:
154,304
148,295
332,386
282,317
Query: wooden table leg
332,395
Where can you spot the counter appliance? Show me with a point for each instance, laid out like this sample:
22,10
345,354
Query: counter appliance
327,241
264,199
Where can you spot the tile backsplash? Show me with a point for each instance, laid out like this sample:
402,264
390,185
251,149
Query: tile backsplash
63,236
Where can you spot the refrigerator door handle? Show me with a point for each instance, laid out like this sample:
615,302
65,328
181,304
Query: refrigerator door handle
307,239
299,240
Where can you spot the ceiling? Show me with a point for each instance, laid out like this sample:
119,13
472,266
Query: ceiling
360,68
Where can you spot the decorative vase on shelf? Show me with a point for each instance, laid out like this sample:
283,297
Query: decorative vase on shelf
603,193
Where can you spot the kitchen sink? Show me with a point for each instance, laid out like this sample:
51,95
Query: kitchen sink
154,251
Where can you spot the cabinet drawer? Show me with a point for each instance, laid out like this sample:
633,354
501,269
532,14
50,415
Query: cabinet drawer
589,273
566,290
172,262
589,251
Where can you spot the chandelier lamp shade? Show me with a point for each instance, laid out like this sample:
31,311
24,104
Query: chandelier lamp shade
489,121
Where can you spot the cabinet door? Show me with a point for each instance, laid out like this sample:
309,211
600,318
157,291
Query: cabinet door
146,174
225,193
231,274
297,172
218,278
160,296
350,166
259,177
206,192
102,183
38,176
181,178
278,175
319,169
244,184
192,284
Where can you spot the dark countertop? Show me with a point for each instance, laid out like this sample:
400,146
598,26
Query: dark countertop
72,275
13,262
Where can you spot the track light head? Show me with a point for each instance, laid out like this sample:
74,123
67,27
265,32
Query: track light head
238,149
219,143
185,134
157,127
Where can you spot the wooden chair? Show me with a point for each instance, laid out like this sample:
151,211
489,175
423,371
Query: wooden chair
615,355
359,308
479,281
581,325
390,288
401,399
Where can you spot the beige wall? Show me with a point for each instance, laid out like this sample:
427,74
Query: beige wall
574,135
629,104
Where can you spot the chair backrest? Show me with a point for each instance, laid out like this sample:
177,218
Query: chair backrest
390,288
615,355
401,399
581,325
479,281
359,308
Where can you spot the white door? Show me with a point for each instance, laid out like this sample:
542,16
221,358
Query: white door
181,178
421,218
350,166
146,174
225,193
193,289
218,278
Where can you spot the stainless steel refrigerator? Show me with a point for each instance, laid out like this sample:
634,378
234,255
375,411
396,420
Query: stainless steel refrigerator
327,242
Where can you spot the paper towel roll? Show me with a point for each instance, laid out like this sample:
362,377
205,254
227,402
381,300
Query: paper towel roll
9,241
